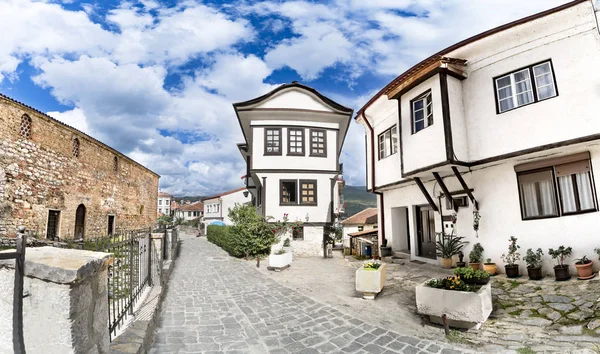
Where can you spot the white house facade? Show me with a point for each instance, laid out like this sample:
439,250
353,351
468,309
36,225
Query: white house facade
164,203
188,212
293,139
216,207
504,124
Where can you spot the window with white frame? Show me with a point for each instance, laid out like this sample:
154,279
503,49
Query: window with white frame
524,86
388,142
272,141
422,112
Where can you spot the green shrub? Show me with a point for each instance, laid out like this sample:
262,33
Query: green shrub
223,237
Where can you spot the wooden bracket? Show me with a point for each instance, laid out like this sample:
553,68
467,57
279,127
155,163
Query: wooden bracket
465,187
426,194
447,194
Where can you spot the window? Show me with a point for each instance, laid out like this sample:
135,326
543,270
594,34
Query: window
111,225
360,228
189,213
388,142
115,164
561,189
288,192
75,147
160,202
422,112
298,233
318,142
53,222
272,141
308,192
159,210
25,129
295,141
524,86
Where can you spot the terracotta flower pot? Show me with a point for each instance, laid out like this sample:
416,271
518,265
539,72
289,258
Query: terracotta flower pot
490,268
535,273
447,263
584,271
512,271
474,266
561,273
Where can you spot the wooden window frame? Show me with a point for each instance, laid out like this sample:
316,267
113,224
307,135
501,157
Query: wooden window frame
281,182
420,97
278,153
312,153
289,142
393,148
533,85
314,182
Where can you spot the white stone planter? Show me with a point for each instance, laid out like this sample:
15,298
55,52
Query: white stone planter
462,309
370,282
280,260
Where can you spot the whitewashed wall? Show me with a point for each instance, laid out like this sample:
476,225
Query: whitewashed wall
295,98
386,117
229,201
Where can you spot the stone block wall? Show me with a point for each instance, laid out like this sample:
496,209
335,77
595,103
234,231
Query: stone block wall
41,172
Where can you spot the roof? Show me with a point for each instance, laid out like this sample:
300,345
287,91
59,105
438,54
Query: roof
164,195
367,216
174,205
223,194
79,132
363,233
197,206
462,43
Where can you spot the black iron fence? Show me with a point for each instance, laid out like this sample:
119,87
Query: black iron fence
19,257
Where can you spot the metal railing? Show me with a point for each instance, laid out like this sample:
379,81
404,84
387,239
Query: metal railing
19,257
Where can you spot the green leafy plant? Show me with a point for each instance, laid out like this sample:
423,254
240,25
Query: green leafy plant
597,250
476,218
287,242
583,260
513,255
451,283
560,254
470,273
280,252
372,265
489,261
476,253
448,245
533,259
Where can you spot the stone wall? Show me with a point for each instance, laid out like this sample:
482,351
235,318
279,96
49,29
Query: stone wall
41,172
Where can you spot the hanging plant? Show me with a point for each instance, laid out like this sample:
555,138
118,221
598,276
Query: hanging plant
454,218
476,218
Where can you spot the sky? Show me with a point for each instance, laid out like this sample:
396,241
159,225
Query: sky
156,79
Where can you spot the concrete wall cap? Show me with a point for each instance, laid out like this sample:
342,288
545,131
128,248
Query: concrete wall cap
61,266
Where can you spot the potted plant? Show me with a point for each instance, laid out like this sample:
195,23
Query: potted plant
447,246
490,267
472,276
280,259
511,258
584,268
370,278
534,263
475,256
384,250
460,262
287,244
561,270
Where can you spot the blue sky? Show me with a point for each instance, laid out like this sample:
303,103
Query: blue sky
156,79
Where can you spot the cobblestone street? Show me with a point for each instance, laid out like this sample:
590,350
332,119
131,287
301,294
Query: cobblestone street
218,304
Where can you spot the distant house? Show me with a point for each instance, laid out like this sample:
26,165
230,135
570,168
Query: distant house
216,207
191,211
164,203
361,221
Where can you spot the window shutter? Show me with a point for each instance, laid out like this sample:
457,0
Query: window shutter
573,168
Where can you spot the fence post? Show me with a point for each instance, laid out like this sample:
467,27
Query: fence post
130,272
18,340
150,257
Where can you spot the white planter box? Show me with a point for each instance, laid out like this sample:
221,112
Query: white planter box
462,309
280,260
370,282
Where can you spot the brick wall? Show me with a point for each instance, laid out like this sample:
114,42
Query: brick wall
40,172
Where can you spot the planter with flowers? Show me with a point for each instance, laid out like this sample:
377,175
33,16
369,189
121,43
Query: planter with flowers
281,258
511,258
370,278
465,306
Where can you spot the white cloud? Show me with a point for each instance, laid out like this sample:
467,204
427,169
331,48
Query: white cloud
75,118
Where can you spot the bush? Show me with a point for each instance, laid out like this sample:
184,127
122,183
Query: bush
223,237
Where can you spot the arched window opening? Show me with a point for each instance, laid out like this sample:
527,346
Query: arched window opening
80,222
115,164
25,129
75,147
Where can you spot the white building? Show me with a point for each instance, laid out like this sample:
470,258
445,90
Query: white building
190,211
216,207
507,121
164,203
362,221
293,139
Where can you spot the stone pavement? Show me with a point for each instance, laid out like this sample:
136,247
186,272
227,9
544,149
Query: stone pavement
218,304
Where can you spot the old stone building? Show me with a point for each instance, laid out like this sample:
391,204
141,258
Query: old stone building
61,183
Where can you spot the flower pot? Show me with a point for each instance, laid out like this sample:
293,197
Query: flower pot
512,270
385,251
279,261
461,264
561,272
474,266
584,271
473,281
370,281
447,263
535,273
490,268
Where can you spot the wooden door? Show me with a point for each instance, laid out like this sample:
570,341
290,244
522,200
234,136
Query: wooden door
80,222
426,232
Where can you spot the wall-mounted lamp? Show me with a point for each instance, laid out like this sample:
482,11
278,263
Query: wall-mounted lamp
245,193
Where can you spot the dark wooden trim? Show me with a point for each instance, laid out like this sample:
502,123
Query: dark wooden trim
291,126
372,154
426,77
289,142
284,170
299,110
446,116
17,322
412,111
332,182
425,168
465,187
324,142
300,191
281,182
426,194
399,124
447,194
280,152
381,211
263,200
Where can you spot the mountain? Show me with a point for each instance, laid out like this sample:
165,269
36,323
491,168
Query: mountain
357,199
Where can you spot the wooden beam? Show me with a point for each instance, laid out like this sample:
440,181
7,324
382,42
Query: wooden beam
447,193
426,194
465,187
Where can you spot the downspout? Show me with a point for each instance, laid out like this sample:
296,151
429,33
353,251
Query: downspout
380,194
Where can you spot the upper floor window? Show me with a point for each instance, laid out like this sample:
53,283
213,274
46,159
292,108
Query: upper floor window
75,147
160,202
25,129
555,190
295,141
318,142
272,141
388,142
422,112
524,86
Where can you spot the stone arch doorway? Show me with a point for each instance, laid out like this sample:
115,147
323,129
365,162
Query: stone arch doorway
80,222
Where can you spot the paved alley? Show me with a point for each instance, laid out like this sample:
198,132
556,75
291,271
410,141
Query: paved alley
218,304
